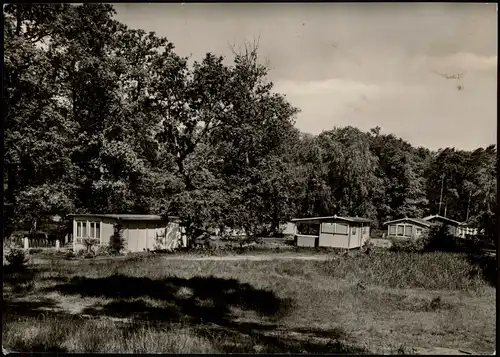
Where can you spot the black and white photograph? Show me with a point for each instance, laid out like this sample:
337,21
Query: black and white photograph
256,178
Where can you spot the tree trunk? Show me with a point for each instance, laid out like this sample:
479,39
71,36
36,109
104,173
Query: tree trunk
468,206
187,179
18,20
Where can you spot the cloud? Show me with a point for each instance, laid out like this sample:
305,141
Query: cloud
434,116
358,64
326,103
463,62
344,86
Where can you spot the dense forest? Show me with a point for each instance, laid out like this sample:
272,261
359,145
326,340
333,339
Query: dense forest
99,117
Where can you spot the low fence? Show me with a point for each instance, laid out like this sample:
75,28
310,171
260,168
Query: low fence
42,243
16,241
27,243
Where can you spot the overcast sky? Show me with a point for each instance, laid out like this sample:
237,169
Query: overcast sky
364,65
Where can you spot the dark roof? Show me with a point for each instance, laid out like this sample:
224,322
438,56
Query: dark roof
126,217
415,220
347,219
437,216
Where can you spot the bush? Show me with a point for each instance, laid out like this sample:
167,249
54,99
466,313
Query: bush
439,239
88,255
90,245
104,250
16,258
69,255
408,244
80,253
117,242
368,247
35,250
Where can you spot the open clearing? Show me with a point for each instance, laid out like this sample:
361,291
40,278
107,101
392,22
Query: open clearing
387,302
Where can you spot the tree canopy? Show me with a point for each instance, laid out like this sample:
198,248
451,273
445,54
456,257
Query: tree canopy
99,117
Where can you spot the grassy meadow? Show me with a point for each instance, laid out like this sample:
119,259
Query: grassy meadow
384,302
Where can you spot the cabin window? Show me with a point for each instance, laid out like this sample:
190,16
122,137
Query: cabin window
95,230
86,229
353,230
78,229
400,230
341,228
408,231
365,230
328,228
308,229
81,228
392,230
418,231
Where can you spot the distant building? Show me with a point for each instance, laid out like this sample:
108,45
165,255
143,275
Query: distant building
465,230
331,231
407,227
451,224
141,232
415,227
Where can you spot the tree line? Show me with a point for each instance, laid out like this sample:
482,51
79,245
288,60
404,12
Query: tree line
99,117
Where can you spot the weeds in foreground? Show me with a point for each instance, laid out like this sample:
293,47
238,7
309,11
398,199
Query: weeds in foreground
74,334
325,294
437,270
50,334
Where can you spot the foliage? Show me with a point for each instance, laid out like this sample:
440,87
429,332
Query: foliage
91,244
80,253
368,247
103,118
116,243
439,239
16,258
408,245
104,250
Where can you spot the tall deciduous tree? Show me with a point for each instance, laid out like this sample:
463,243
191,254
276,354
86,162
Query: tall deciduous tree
37,131
400,168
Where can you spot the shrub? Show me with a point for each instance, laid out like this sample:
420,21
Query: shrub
436,270
104,250
16,258
408,245
69,255
35,250
80,253
368,247
439,239
88,255
117,242
90,244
